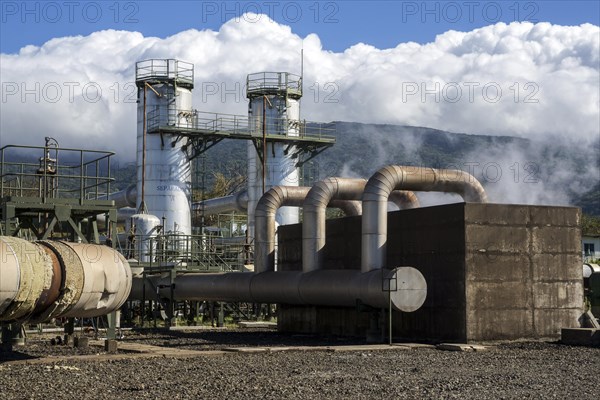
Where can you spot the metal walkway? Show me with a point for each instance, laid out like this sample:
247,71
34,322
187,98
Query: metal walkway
205,129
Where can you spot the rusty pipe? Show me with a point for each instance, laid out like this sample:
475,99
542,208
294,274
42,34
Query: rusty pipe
49,279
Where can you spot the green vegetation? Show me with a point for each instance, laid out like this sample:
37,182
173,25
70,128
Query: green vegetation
361,149
590,225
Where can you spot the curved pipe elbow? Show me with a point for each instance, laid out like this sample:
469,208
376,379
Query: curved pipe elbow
264,220
315,206
390,178
350,208
405,199
394,177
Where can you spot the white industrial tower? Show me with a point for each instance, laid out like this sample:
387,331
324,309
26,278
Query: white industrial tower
163,169
273,111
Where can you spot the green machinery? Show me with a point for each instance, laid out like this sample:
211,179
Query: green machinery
42,198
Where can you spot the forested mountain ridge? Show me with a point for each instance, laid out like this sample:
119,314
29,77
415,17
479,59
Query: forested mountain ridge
361,149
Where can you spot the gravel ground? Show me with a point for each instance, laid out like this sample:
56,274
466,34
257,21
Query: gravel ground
516,370
219,339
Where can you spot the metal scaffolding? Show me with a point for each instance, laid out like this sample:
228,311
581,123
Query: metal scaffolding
43,198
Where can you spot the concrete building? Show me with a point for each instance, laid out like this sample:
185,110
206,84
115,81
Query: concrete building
493,272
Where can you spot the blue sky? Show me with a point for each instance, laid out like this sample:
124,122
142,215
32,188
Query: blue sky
339,24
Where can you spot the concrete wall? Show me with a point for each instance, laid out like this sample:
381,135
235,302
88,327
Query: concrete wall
524,276
493,271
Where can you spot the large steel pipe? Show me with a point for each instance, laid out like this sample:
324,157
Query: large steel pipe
266,209
125,197
340,288
314,212
26,277
234,202
50,279
390,178
325,193
404,287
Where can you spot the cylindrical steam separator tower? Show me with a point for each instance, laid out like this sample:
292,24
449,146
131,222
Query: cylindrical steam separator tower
273,110
163,169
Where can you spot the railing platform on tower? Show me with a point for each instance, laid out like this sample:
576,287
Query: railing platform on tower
205,129
39,195
158,71
276,83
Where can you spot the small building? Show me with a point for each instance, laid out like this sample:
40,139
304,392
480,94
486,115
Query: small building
590,246
493,272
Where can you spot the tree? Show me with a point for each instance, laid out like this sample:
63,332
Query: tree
590,225
223,185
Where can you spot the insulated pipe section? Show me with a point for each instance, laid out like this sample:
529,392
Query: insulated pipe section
269,203
107,279
26,278
339,288
219,205
315,207
329,192
264,222
125,198
50,279
390,178
405,199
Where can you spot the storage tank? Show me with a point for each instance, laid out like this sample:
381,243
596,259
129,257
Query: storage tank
273,110
164,175
145,228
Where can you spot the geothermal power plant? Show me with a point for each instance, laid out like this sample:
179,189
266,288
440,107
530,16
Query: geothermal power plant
386,270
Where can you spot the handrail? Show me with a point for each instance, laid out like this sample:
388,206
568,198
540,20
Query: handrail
195,120
86,178
281,81
164,69
192,251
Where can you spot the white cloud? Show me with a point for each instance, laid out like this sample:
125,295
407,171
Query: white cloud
556,65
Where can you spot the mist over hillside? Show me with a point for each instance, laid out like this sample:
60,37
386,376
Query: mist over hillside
513,170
